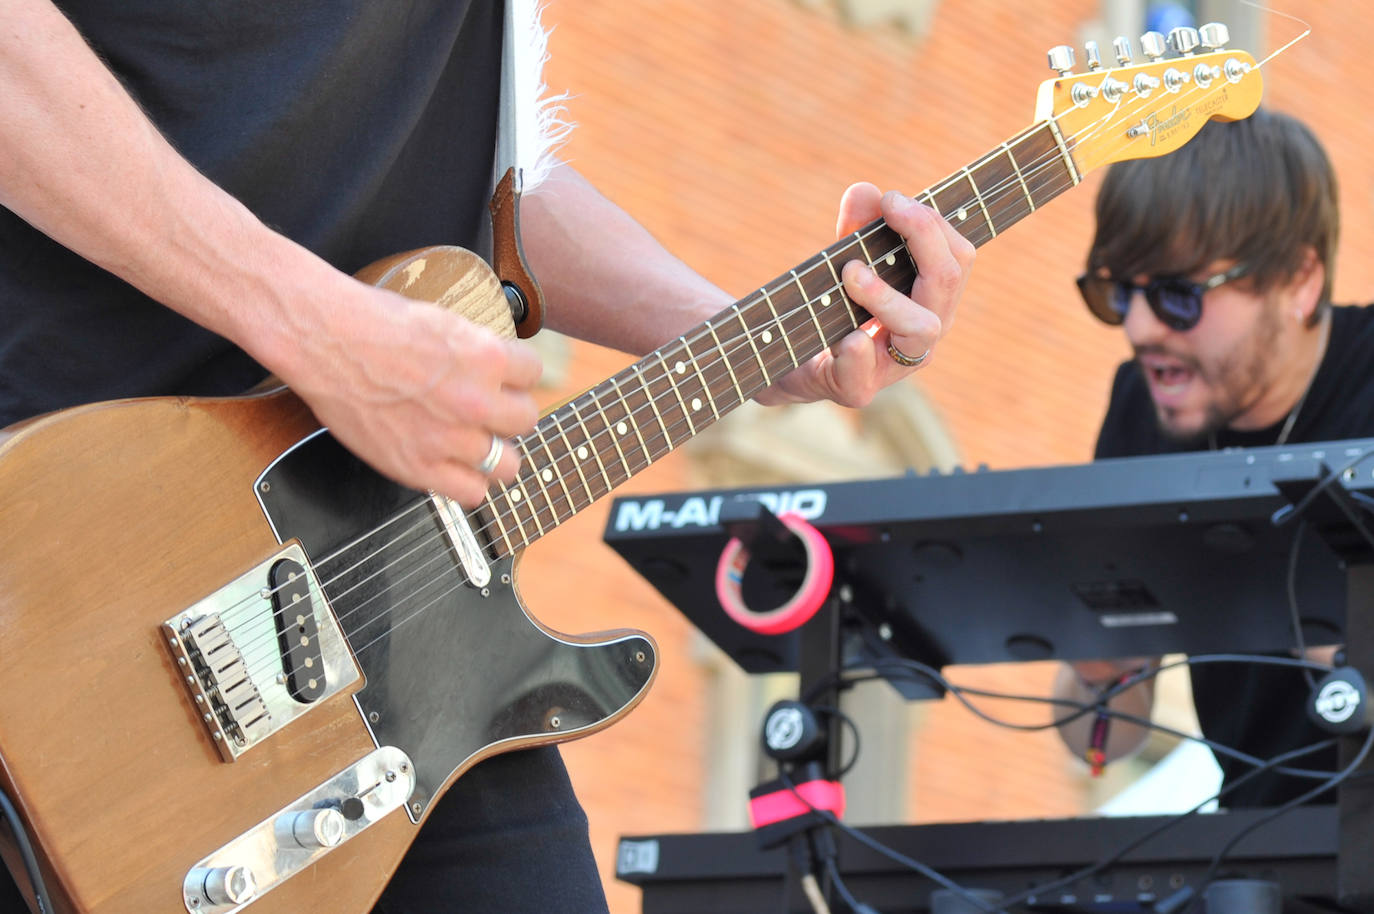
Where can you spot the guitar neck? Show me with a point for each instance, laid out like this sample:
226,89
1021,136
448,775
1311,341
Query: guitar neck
590,445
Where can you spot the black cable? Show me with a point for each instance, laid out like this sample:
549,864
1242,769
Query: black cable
855,905
1288,512
1278,811
1108,862
1298,640
929,872
853,731
960,693
21,838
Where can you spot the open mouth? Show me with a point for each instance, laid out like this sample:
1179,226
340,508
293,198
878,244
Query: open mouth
1169,379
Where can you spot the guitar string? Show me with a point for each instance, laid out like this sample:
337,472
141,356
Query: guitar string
986,228
552,504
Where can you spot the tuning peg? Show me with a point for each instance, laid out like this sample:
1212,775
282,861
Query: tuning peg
1092,55
1152,44
1183,40
1061,59
1214,36
1121,47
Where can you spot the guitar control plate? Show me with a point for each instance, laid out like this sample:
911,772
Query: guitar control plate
299,834
246,679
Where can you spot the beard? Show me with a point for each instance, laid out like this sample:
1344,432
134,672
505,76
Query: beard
1237,380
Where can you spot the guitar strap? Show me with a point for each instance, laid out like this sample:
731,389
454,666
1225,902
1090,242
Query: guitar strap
507,255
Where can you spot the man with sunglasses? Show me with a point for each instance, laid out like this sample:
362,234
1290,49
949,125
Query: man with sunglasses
1217,263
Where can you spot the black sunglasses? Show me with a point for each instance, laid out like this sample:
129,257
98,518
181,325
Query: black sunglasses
1175,300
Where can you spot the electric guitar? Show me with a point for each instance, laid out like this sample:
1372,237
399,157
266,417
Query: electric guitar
240,667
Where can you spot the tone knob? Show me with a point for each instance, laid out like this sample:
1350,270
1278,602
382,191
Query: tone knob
1152,44
223,885
310,829
1214,35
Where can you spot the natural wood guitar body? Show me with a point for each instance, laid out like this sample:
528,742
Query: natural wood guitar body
113,518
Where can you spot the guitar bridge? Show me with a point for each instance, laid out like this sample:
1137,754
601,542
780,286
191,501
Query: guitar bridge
243,693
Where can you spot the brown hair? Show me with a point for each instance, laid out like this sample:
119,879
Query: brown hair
1258,190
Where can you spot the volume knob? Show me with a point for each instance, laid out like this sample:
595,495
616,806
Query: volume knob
310,828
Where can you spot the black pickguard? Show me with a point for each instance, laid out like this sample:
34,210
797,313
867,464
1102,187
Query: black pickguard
450,670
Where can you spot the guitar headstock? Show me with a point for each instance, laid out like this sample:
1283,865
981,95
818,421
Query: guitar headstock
1136,111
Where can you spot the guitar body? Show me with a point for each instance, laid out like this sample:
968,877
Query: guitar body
115,518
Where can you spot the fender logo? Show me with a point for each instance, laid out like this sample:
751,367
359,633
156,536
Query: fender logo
1163,129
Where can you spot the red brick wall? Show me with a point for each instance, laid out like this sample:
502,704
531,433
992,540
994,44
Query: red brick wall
730,129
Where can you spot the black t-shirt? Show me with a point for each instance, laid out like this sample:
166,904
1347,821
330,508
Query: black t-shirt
1261,710
358,128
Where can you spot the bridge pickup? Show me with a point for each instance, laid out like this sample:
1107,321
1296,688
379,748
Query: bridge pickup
261,651
299,636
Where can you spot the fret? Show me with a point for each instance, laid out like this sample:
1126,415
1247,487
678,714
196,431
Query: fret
513,498
701,379
613,432
782,330
1025,189
590,446
839,290
806,303
649,395
1003,206
575,457
522,495
1064,152
538,476
729,368
931,202
978,195
868,258
630,419
501,527
1046,181
556,472
691,426
765,335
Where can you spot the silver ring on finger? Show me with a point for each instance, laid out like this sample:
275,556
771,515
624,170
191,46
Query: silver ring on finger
901,358
489,462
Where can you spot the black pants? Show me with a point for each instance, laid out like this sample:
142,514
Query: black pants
508,838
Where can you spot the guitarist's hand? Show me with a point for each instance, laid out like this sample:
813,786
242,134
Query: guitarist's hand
851,372
415,391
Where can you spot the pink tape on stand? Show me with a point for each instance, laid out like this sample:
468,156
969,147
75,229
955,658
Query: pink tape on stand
815,586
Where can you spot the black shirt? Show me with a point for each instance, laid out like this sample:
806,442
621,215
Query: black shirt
355,127
1260,710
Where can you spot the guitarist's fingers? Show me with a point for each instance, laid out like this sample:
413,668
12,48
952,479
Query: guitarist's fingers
858,206
943,257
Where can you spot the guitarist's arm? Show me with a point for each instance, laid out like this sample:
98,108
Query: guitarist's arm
606,279
414,390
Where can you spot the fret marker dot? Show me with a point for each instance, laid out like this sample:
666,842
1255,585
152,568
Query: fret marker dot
766,336
890,259
547,475
514,494
621,428
680,368
962,214
826,299
696,403
581,453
